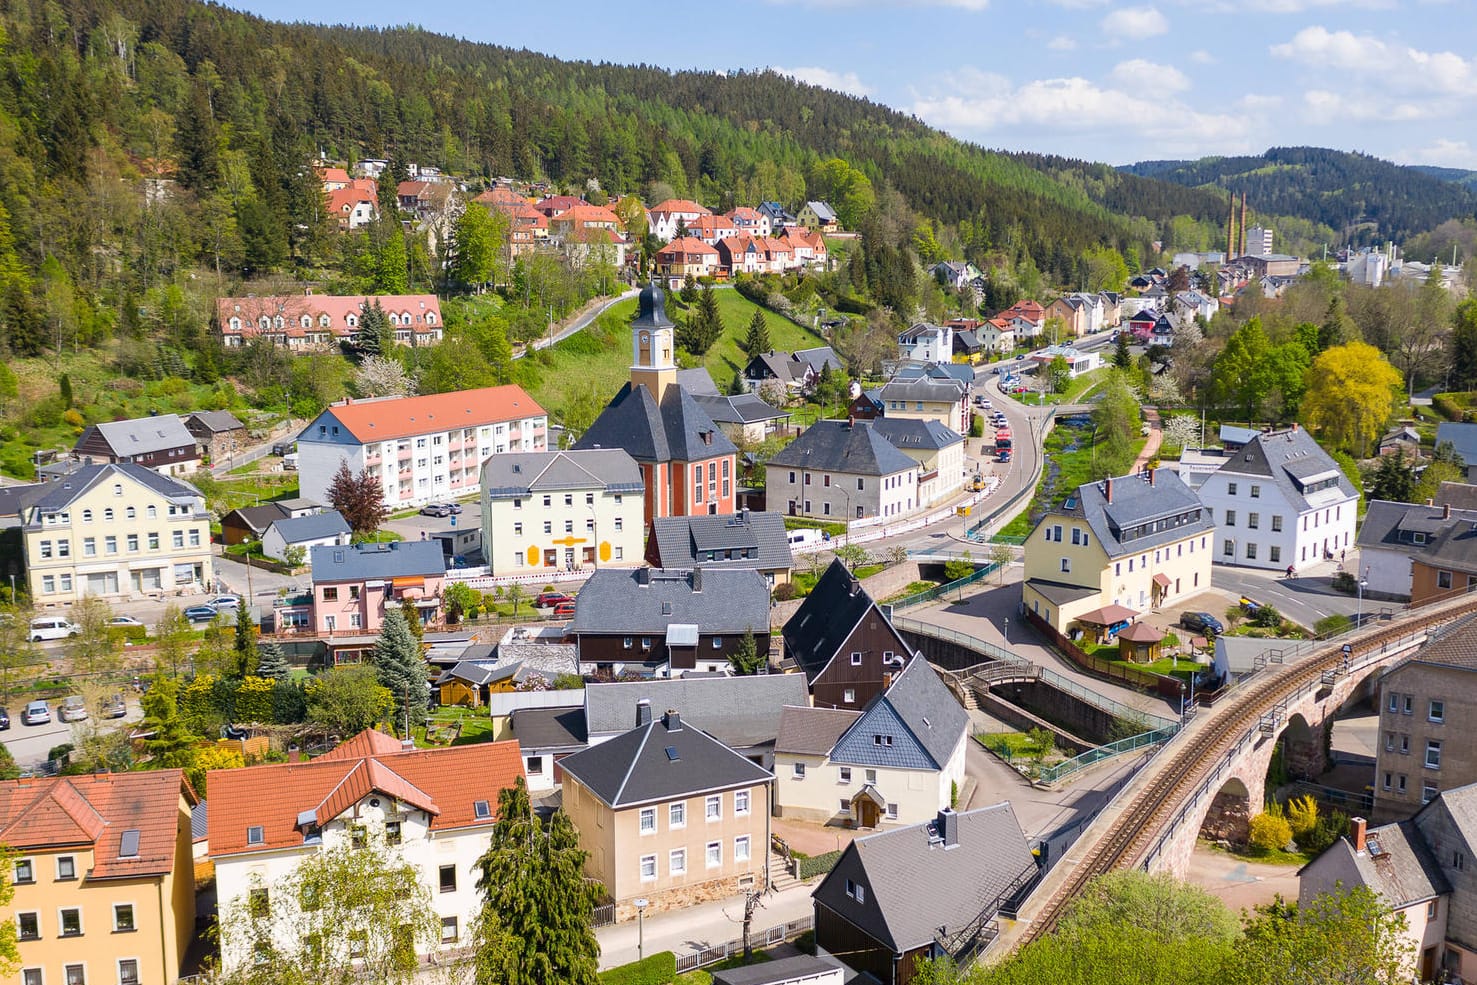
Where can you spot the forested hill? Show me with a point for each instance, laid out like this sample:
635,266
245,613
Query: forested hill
1366,200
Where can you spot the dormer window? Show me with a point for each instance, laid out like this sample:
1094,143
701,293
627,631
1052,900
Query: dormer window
256,835
481,809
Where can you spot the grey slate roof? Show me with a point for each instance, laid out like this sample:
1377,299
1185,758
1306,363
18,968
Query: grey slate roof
958,372
1138,504
1385,523
687,541
1463,438
697,381
854,448
63,492
1453,646
1060,593
826,618
145,434
298,529
547,659
476,674
812,731
366,562
549,728
822,211
660,761
905,432
1230,434
1293,461
199,821
1404,871
1459,495
925,388
677,429
770,972
518,474
743,408
14,500
723,600
258,518
914,885
216,420
819,357
918,715
739,711
780,365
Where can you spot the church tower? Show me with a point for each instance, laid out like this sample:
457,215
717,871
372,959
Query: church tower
652,341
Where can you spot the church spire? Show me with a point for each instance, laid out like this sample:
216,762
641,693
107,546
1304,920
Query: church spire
652,364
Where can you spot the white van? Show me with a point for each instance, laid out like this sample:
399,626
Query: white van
289,462
51,628
804,535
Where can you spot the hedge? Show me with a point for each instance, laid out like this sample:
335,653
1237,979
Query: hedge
659,969
818,865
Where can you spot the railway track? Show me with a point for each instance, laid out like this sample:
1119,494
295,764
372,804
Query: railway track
1185,766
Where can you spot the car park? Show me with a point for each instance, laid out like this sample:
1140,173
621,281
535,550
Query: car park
51,628
72,709
564,610
546,599
36,713
1201,621
436,509
200,613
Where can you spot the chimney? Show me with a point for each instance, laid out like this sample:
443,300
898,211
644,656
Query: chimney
294,754
1242,246
643,577
850,420
947,825
1357,828
1446,511
1430,502
1231,231
697,580
407,745
672,721
1294,425
1108,489
643,712
1151,476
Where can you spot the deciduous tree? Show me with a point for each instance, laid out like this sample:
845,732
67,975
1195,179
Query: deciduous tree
359,498
1350,395
348,700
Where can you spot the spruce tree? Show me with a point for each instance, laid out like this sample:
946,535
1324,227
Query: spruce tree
1121,356
272,662
373,337
400,667
757,341
246,655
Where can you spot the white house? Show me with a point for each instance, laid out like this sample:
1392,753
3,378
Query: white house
1079,361
845,470
900,761
1280,500
434,808
328,529
421,449
1189,305
550,509
665,216
927,343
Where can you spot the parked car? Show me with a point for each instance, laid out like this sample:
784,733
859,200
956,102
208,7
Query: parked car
1201,622
284,447
114,706
436,509
222,602
72,709
52,628
564,610
4,719
1002,444
200,613
1004,455
546,599
455,508
124,621
36,713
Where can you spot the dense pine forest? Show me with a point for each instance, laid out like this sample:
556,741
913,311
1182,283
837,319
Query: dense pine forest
1363,199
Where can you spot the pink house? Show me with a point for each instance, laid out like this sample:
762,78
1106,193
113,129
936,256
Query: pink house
354,585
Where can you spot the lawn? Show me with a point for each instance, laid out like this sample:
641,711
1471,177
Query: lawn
1070,463
225,495
804,581
593,364
476,726
1183,668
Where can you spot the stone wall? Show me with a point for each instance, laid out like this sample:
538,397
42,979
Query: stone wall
995,705
1066,711
682,897
1229,819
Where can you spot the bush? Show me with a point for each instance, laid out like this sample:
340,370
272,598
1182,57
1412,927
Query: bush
977,427
1302,816
1447,407
1329,829
1267,617
1330,625
818,865
805,943
784,591
1269,833
1345,582
658,969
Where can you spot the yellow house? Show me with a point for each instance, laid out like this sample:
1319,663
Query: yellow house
103,874
120,531
1116,549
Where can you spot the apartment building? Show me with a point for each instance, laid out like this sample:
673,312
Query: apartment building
422,449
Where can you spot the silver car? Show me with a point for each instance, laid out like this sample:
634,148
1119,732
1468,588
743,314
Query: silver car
72,709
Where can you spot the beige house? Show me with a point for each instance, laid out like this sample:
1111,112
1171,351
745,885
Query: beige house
1115,549
899,761
544,510
1424,701
927,399
103,875
120,531
669,814
938,450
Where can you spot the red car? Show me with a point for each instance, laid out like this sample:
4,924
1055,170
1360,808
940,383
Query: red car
564,610
1019,389
546,599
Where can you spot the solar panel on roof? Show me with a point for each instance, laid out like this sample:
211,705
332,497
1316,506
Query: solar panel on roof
672,754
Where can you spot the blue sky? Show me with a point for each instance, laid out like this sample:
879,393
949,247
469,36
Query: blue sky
1105,81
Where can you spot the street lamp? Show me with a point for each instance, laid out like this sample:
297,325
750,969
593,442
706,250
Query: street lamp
641,902
1363,582
1007,631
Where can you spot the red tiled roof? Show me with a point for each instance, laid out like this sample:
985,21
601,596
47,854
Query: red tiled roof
709,224
588,214
333,175
57,812
401,417
370,742
410,311
501,196
446,783
745,213
342,200
555,204
680,205
686,245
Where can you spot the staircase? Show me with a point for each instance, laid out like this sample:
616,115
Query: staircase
780,877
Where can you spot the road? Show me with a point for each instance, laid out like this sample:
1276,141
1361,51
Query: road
29,744
1304,599
577,324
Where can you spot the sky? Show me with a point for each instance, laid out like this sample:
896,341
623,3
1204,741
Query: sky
1090,79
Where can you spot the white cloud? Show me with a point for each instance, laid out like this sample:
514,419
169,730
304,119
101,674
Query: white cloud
848,82
1135,23
1303,6
1145,78
1393,66
1062,43
957,4
1443,151
1202,57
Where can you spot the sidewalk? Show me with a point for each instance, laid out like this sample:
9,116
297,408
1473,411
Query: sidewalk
697,927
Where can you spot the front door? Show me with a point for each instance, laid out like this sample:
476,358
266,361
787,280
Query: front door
867,813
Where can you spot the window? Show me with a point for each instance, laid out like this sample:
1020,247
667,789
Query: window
151,512
648,868
1387,781
741,848
89,547
714,855
66,867
28,926
1394,703
1230,489
153,542
870,776
1253,520
76,974
1408,703
881,740
1428,792
128,971
1251,552
1433,754
1400,784
677,861
843,774
892,811
534,766
71,922
1230,518
648,821
848,696
1405,745
448,878
1443,579
740,802
1274,553
844,807
856,658
107,516
178,539
1066,564
797,770
1276,523
1389,742
31,976
48,584
677,815
45,547
856,891
195,537
713,808
330,594
132,543
1436,712
392,832
1256,492
110,545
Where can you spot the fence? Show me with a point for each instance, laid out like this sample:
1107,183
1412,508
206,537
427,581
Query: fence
1067,767
777,934
939,591
977,532
603,916
1139,680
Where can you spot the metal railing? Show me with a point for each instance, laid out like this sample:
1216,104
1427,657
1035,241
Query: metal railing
939,591
976,532
1095,755
777,934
